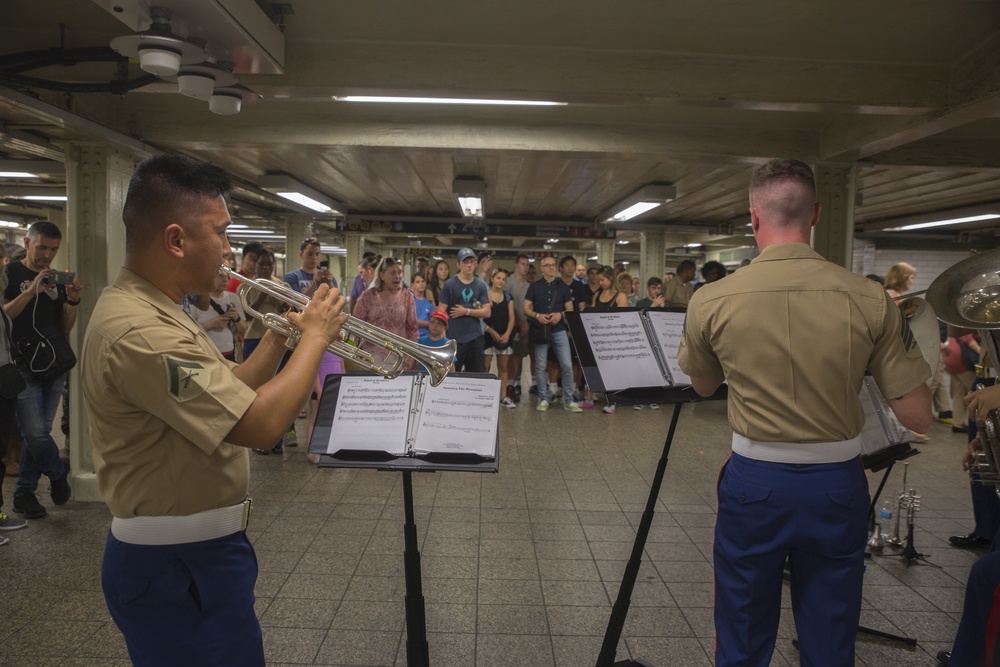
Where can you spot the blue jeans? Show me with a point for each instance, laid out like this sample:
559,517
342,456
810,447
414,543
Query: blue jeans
36,409
560,343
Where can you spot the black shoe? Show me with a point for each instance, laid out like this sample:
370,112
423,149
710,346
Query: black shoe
60,490
944,414
262,452
944,657
959,429
28,505
970,541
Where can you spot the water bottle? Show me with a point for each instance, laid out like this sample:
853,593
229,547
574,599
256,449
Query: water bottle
885,514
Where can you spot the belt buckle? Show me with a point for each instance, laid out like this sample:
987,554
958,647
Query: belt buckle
247,513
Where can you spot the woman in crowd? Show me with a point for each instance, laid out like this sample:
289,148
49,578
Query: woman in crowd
388,306
499,328
899,279
423,305
11,385
440,273
223,318
625,287
607,297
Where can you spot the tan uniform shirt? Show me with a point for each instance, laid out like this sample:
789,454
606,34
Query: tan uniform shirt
677,293
160,398
794,334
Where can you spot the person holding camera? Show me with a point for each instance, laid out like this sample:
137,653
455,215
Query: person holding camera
313,272
42,304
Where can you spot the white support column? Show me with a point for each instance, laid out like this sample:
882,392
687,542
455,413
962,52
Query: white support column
833,235
296,231
354,243
652,255
606,251
97,180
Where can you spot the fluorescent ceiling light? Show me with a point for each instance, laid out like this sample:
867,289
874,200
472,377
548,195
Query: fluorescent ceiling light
943,223
235,226
623,242
332,250
9,223
553,241
46,197
10,168
470,193
592,259
645,199
288,188
695,245
17,174
393,99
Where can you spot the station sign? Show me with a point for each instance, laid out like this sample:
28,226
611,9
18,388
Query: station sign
484,228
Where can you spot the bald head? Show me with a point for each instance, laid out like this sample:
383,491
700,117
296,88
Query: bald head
783,193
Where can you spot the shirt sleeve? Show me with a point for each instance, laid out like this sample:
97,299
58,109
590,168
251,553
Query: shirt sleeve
192,390
896,362
695,355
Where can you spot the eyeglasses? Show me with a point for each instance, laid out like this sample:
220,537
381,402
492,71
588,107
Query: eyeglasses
545,265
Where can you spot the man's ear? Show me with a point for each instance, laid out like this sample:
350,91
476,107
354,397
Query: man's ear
173,240
815,218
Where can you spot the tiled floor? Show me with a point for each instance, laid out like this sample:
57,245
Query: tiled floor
519,568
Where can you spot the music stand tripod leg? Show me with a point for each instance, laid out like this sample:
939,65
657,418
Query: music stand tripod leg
620,609
417,653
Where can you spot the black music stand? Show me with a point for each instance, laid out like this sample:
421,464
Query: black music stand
417,653
676,395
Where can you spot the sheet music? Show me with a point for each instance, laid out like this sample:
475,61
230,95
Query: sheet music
459,416
372,414
880,430
669,328
624,356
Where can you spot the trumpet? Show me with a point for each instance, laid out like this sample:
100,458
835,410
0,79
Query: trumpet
437,360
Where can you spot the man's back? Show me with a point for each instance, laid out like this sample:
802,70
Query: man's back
816,328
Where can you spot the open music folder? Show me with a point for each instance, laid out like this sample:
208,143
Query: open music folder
407,417
883,437
629,348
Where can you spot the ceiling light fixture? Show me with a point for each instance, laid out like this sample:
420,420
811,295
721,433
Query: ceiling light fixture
394,99
17,174
471,193
31,168
158,50
645,199
288,188
33,192
9,224
943,223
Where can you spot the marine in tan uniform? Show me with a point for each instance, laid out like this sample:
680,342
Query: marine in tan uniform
172,421
793,335
678,290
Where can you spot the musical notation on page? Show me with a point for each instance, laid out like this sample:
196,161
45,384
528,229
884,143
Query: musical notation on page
622,351
372,414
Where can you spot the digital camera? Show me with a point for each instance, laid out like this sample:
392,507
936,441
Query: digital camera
59,278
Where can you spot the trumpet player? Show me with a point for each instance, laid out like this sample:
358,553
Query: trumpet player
794,487
976,639
172,423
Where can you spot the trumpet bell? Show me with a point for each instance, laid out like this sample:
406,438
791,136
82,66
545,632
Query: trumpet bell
967,295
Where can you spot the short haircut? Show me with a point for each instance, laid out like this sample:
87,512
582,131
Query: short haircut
594,268
252,248
265,251
780,172
44,228
308,242
521,256
566,260
685,265
712,265
166,189
654,281
486,254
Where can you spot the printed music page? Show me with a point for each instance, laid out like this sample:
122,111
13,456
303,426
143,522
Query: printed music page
669,328
624,355
372,415
459,416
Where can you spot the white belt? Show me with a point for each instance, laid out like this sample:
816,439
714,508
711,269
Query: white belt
163,530
797,452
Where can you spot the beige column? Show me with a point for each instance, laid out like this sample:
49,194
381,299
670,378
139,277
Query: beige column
833,235
606,251
97,180
296,231
354,243
652,256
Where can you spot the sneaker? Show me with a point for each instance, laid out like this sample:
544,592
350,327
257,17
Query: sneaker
945,416
511,394
262,452
543,406
291,440
60,490
587,405
572,406
959,429
517,390
533,389
609,409
507,403
4,540
28,505
638,406
11,523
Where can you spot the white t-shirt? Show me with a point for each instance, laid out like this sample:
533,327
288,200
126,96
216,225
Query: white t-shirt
223,338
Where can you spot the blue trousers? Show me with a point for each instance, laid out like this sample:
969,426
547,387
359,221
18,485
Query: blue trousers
985,504
815,517
982,604
561,345
36,410
185,604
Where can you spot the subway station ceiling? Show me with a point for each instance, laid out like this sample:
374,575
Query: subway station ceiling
694,93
